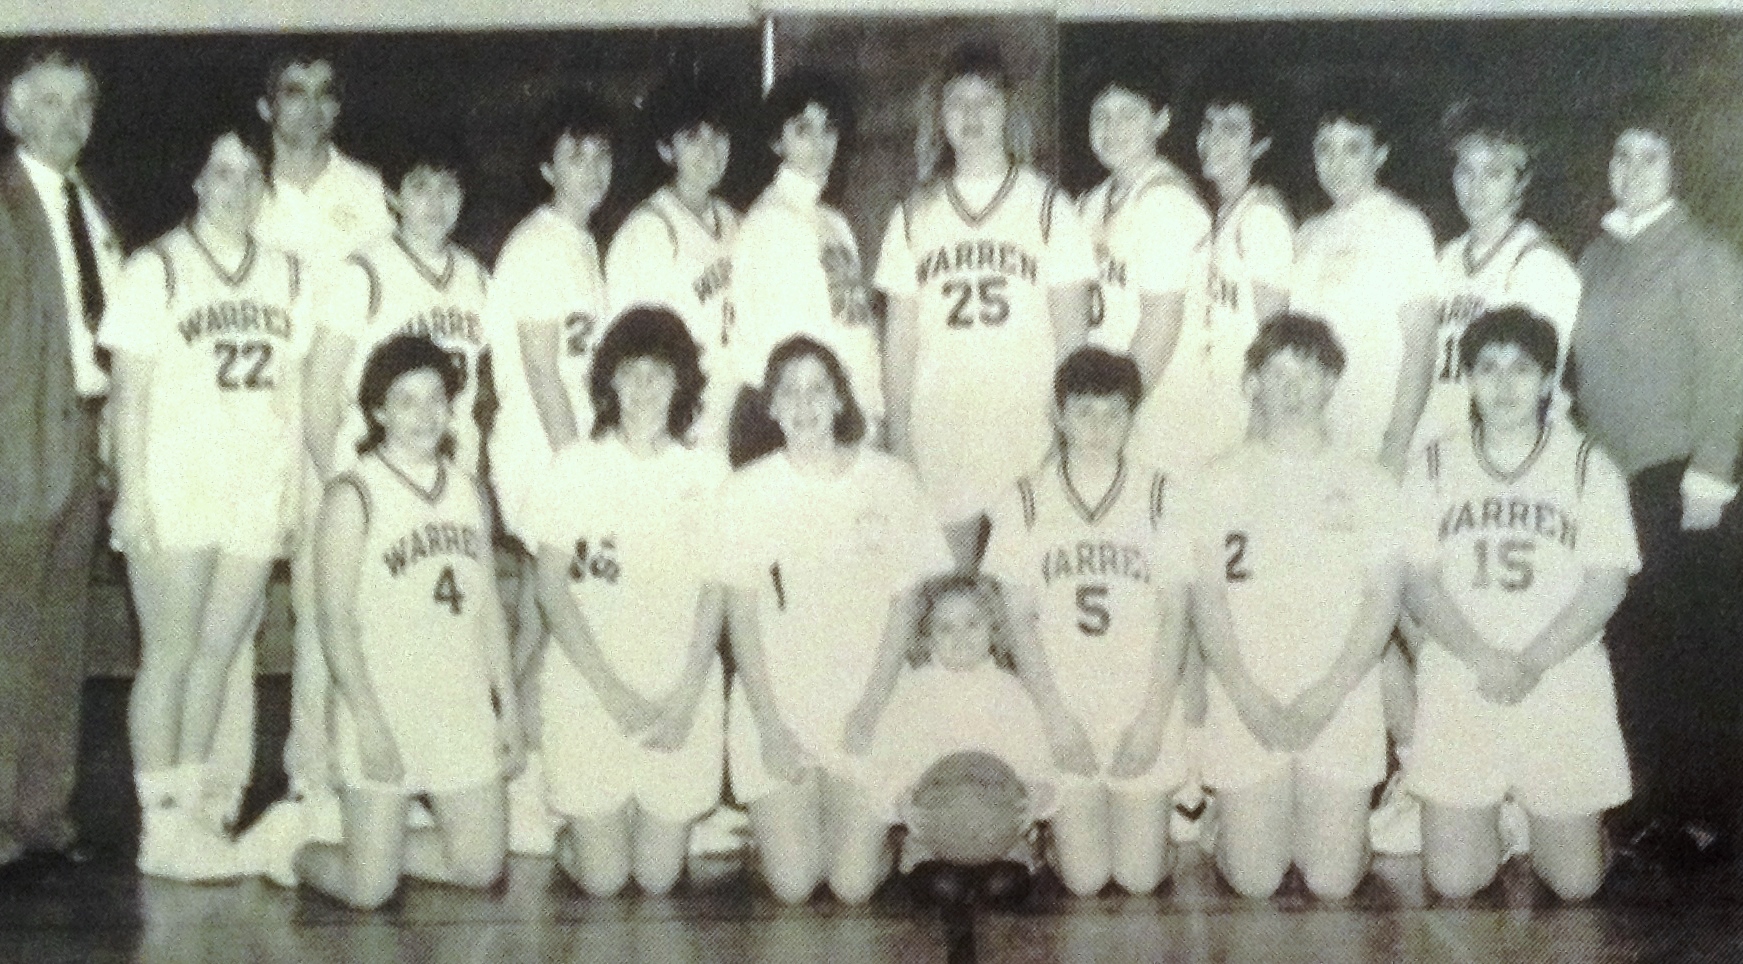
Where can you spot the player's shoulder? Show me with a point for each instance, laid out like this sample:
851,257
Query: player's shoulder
1166,187
1538,250
356,172
1392,211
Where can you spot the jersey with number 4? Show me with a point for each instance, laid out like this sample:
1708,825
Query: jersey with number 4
1512,548
389,291
226,350
422,582
1296,541
1524,268
1100,571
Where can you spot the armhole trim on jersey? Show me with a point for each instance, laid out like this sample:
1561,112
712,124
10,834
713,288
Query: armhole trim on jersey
1431,455
374,281
296,274
671,229
1582,462
1048,199
1158,498
169,271
487,509
1026,495
907,215
355,481
1262,194
1534,244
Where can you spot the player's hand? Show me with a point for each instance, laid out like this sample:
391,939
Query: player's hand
1072,750
377,753
511,746
1310,711
1393,459
1262,714
1701,511
1139,745
783,755
632,712
1501,678
861,728
672,727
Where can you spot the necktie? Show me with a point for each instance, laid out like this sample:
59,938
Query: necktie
90,283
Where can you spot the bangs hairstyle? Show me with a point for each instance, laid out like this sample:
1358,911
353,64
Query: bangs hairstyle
436,149
1471,121
1141,76
1358,107
683,102
933,157
190,165
646,332
984,590
1302,334
849,424
397,357
1529,332
1239,84
798,90
276,67
577,117
1099,372
56,57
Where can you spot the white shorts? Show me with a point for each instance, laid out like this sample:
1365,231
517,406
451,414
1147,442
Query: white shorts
1558,752
751,780
966,466
1350,751
235,509
452,748
591,769
1166,775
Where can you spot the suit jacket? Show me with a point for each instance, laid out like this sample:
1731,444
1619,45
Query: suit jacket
41,419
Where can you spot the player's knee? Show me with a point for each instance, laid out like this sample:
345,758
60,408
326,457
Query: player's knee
1136,879
1456,881
1251,879
479,868
369,888
791,885
1334,883
1572,884
854,887
1083,877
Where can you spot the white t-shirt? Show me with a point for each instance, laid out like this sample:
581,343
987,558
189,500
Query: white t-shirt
635,531
1512,549
1355,267
985,348
1524,269
1144,245
796,271
340,211
1295,541
1099,573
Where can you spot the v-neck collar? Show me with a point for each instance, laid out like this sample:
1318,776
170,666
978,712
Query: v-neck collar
975,218
717,230
436,281
431,494
1525,464
231,278
1108,498
1474,265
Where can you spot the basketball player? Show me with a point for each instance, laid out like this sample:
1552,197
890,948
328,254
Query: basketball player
1501,260
207,332
822,540
1146,221
988,271
321,205
631,693
1366,267
1527,546
1296,551
796,268
415,642
675,249
1096,575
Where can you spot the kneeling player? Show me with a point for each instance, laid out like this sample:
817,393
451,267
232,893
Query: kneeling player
1102,581
1532,545
1295,595
414,639
631,692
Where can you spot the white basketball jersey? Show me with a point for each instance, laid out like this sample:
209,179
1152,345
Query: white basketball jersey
1098,571
1144,243
227,350
390,292
1512,548
548,272
635,530
1525,268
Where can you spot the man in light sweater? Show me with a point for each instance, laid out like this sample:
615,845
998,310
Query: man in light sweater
1658,377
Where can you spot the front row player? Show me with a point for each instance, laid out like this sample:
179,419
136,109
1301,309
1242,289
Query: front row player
415,641
1527,546
1100,580
631,700
1298,578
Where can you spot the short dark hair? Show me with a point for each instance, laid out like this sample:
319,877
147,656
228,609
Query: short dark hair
792,93
1512,325
1099,372
976,59
985,590
191,160
646,331
1357,108
577,117
436,148
392,359
47,56
1302,334
1474,120
849,424
683,102
1143,76
300,57
1239,85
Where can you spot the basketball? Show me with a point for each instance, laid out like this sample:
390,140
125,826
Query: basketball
969,808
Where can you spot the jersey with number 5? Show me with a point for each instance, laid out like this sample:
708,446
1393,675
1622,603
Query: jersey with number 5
1512,548
1100,569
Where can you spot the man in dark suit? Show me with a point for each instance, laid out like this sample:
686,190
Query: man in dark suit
55,251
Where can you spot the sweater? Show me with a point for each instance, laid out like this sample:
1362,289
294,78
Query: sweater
1658,346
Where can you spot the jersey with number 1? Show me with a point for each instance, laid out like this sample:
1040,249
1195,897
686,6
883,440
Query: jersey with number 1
388,292
1524,268
1100,573
1144,244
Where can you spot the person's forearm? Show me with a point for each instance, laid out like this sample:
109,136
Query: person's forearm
1368,635
1440,618
749,668
569,627
1158,335
540,348
900,347
1581,621
1415,377
1068,308
324,398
